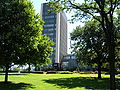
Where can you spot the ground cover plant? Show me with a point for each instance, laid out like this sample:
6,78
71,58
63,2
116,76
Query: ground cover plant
26,81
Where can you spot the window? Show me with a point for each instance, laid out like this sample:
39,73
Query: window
49,21
73,57
51,29
49,25
67,57
46,17
65,63
50,34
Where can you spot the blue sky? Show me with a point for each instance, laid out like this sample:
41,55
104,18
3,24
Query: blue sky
37,6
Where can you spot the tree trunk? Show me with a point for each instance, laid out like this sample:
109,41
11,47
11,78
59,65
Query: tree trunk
6,74
40,67
99,70
35,67
29,67
112,76
112,67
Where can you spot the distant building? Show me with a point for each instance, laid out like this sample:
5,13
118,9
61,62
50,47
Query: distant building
69,62
55,27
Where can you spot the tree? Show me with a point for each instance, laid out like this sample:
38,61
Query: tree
105,9
41,55
20,33
90,44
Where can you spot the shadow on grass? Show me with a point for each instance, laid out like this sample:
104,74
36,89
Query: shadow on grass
15,86
13,74
86,82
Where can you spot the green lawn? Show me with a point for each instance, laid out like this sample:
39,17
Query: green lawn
56,82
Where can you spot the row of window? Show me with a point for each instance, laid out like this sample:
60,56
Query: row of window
50,34
49,30
49,25
70,57
49,21
46,17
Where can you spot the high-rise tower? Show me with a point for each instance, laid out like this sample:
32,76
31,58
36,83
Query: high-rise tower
55,27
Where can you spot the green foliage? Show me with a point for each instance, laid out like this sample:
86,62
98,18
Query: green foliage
66,72
104,12
117,27
1,69
20,37
76,71
51,72
86,9
16,69
17,21
35,72
89,43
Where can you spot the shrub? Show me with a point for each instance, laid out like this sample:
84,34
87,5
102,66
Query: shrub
75,71
66,72
82,72
1,69
118,71
16,69
96,72
87,72
37,72
51,72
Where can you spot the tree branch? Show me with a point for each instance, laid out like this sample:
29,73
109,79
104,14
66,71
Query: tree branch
84,10
113,7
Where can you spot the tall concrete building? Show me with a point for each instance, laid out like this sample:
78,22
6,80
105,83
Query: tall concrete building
55,27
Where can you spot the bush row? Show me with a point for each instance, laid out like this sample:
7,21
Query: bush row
58,72
48,72
37,72
61,72
9,71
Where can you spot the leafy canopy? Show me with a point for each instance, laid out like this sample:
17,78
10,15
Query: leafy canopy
20,33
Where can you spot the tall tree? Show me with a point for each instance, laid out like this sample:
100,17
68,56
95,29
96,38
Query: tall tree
20,32
89,44
105,9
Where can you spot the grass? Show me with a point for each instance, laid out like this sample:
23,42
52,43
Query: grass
56,82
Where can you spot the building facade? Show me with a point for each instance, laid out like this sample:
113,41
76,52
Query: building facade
55,27
69,62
